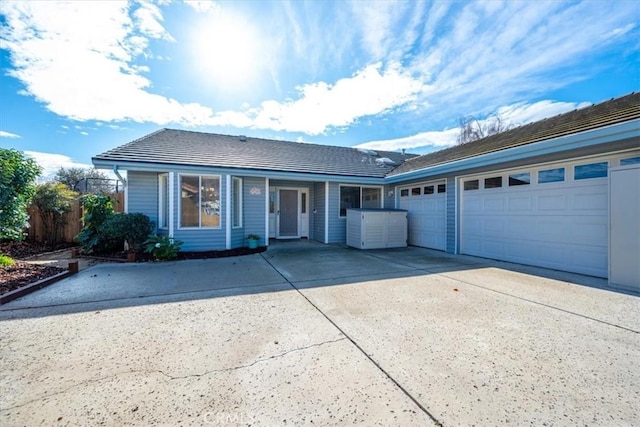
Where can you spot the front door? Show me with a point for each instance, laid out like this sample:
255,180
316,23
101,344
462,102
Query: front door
288,214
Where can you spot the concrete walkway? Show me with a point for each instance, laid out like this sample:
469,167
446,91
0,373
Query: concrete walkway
321,335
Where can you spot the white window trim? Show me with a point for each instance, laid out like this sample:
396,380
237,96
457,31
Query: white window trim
240,203
161,202
200,227
379,187
172,192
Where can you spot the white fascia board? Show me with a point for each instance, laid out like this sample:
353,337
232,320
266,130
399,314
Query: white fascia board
603,135
203,170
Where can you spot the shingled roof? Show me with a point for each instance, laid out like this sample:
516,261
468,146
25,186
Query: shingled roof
180,147
604,114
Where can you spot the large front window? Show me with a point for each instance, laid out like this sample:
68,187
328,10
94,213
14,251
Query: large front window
200,201
356,197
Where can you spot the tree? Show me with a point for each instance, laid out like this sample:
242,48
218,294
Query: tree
55,201
17,185
472,129
97,209
72,176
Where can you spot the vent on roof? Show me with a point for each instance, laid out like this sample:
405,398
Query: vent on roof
385,161
242,138
367,151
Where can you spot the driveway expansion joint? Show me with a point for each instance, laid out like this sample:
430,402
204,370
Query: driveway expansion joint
358,347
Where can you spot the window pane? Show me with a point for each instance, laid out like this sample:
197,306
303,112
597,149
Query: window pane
404,192
349,199
237,202
494,182
593,170
428,189
442,188
210,202
164,202
371,198
304,203
551,175
630,161
190,201
519,179
415,191
272,202
474,184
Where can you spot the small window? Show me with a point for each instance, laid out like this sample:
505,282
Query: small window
551,175
163,202
474,184
442,188
523,178
404,192
303,209
353,197
272,202
415,191
593,170
494,182
630,161
428,189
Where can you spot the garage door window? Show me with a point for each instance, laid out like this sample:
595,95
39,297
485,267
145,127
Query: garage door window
551,175
474,184
495,182
428,189
519,179
415,191
593,170
442,188
630,161
404,192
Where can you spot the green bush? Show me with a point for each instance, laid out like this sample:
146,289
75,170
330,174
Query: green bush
17,185
97,209
6,261
162,248
133,228
55,201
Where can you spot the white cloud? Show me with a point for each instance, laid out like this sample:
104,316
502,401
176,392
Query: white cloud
65,62
5,134
373,90
50,163
516,115
202,6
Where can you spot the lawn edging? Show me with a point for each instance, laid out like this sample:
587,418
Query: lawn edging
17,293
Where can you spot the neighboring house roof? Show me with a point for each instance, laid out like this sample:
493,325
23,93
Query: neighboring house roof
180,147
604,114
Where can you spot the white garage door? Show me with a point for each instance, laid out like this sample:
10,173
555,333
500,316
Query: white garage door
426,206
553,216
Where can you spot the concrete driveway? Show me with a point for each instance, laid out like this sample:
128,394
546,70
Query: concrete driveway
322,335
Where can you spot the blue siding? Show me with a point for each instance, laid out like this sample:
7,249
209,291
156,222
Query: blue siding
389,200
142,193
318,212
254,206
337,225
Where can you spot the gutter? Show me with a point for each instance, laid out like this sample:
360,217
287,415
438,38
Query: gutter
117,173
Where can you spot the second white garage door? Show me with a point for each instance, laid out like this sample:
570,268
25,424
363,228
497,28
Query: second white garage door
554,216
426,206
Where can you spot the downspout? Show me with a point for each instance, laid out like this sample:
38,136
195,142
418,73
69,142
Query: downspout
125,186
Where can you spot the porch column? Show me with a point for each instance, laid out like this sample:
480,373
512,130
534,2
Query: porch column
227,210
172,190
266,212
326,212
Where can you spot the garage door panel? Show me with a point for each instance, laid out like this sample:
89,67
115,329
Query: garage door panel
559,225
426,218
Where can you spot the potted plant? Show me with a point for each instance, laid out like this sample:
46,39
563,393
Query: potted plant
252,241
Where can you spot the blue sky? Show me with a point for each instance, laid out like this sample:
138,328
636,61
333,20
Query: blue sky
79,78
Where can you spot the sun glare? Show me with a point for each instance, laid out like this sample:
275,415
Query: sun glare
225,51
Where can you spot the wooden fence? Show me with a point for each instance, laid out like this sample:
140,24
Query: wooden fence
74,220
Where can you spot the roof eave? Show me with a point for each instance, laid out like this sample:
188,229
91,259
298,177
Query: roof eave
603,135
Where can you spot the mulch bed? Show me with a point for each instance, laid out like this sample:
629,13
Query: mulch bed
23,274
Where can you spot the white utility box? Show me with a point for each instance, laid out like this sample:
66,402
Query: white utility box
376,228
